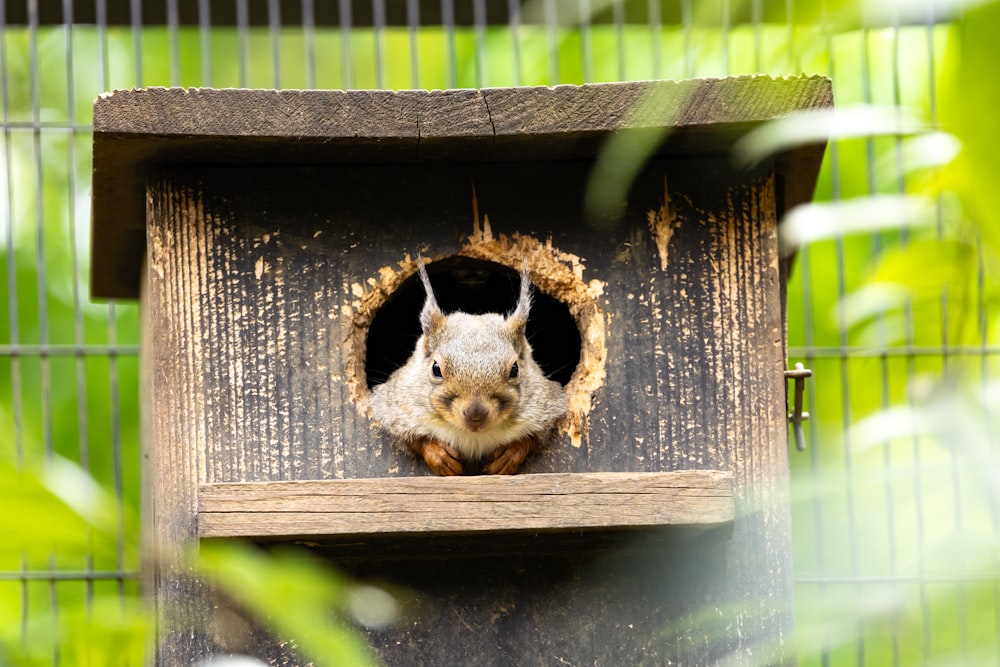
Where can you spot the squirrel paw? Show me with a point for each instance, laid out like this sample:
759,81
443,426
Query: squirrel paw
440,458
506,459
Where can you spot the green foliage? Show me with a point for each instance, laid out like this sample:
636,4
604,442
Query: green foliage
322,599
972,92
880,497
897,540
64,520
80,517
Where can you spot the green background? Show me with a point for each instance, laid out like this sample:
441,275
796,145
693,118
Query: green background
895,508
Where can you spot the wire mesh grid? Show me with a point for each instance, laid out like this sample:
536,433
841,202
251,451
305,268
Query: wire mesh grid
69,367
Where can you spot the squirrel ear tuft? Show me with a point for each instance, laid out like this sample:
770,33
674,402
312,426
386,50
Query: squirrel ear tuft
431,317
518,319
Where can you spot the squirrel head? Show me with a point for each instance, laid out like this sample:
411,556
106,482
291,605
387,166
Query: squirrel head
475,364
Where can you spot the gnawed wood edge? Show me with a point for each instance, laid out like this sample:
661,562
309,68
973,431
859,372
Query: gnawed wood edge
438,505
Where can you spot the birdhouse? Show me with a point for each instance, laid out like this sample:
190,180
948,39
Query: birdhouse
273,238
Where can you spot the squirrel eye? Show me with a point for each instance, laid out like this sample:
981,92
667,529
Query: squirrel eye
436,370
513,371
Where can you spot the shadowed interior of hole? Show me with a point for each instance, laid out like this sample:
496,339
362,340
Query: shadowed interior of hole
473,286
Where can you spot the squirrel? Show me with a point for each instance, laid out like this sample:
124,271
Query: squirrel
471,390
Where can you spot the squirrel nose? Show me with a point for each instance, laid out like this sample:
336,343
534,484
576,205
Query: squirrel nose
475,415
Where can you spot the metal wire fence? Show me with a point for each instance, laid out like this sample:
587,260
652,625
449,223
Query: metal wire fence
69,367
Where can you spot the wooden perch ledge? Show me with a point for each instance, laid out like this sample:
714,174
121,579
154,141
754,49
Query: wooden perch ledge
556,502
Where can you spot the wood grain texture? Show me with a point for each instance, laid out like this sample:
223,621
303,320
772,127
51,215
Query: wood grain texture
136,130
430,505
396,117
173,470
254,276
251,285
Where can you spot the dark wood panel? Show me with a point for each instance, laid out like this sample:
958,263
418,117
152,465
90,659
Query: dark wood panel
255,276
276,277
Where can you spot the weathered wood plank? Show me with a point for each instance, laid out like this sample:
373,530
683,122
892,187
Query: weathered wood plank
377,118
170,357
396,116
679,482
429,505
667,105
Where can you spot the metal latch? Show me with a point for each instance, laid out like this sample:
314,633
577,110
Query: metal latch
797,415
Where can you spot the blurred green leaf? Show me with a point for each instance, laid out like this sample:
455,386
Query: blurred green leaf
925,266
871,13
903,291
104,630
316,619
59,510
972,94
626,152
864,215
621,159
869,301
933,149
119,624
818,126
58,514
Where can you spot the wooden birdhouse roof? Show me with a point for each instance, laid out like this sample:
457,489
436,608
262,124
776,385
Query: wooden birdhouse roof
135,130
